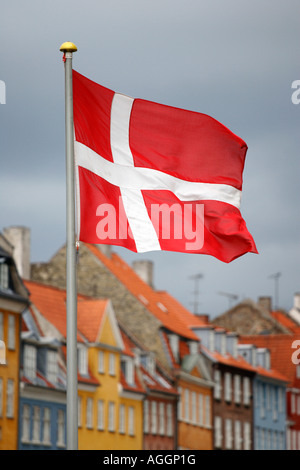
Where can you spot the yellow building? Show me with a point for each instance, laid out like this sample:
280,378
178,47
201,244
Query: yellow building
110,395
13,300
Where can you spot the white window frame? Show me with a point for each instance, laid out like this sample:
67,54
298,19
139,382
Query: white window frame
247,435
228,387
153,417
82,360
237,389
101,368
112,364
61,417
186,405
122,418
194,408
25,423
46,426
4,276
246,391
207,411
1,326
100,415
52,366
111,416
218,432
174,345
89,412
131,421
228,434
217,384
200,410
146,416
237,435
11,332
161,419
29,361
10,394
169,419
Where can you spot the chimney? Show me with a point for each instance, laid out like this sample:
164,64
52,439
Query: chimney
203,317
265,302
106,249
144,269
19,237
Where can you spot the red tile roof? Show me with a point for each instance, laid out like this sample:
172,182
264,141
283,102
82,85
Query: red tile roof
281,350
170,316
286,321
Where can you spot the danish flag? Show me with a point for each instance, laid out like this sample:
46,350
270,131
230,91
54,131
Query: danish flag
154,177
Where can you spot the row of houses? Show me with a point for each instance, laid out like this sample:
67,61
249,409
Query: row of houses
151,375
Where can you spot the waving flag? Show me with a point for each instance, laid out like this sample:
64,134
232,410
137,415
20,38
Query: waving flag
155,177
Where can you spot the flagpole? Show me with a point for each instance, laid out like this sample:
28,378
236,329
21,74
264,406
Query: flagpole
72,399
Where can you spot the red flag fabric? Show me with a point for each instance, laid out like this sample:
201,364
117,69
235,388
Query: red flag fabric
154,177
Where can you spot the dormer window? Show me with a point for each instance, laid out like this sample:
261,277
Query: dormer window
127,365
52,366
29,362
174,345
4,276
82,360
193,345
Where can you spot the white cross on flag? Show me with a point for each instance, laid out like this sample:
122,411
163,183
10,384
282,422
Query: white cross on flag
154,177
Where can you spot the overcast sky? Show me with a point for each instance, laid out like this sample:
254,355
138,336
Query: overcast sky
234,60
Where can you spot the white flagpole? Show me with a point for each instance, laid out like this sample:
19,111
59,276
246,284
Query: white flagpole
72,399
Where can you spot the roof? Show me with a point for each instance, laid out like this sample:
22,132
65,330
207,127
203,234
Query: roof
287,321
168,315
281,350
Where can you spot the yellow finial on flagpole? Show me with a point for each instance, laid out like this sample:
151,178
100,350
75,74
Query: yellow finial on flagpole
68,47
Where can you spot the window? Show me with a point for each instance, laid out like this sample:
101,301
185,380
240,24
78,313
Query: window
161,419
262,401
275,405
47,427
193,346
293,403
30,361
26,423
207,411
268,397
218,385
194,408
228,434
129,370
2,352
11,331
1,397
122,419
247,436
1,326
169,420
131,421
89,413
237,389
111,416
101,362
246,391
174,345
36,424
228,390
200,410
79,404
112,365
237,435
218,432
82,360
153,417
61,428
280,400
146,416
4,279
52,366
179,404
100,415
186,405
10,399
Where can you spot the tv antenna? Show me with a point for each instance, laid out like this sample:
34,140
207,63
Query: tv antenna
196,278
231,297
276,277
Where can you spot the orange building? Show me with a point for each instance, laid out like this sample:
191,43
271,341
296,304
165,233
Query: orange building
13,300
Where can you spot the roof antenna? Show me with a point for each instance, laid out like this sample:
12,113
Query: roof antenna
196,278
276,277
